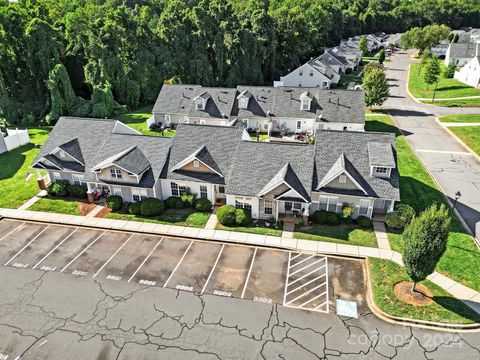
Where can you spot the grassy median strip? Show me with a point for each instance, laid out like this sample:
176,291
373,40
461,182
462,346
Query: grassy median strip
444,308
183,217
419,190
341,234
61,206
259,230
14,167
466,118
470,135
447,88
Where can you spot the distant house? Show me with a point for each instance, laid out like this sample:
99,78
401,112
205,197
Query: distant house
460,54
440,50
310,74
282,109
222,164
470,73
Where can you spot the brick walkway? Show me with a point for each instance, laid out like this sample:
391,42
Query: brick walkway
469,296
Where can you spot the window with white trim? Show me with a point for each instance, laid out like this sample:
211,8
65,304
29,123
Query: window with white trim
174,189
306,104
299,125
77,179
242,203
62,154
381,170
221,189
167,118
342,179
328,203
363,207
116,173
139,194
117,190
196,163
203,191
268,207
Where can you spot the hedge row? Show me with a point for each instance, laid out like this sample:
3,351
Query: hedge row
188,201
63,188
333,218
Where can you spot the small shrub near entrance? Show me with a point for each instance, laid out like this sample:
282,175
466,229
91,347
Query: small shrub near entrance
59,188
346,214
152,207
134,208
325,217
174,202
114,202
365,222
400,217
203,205
226,215
243,217
77,191
189,199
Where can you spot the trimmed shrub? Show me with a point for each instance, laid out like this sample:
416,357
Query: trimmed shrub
364,222
152,207
77,191
400,217
226,215
134,208
189,199
114,202
332,218
59,188
346,214
126,206
203,204
243,217
319,216
174,202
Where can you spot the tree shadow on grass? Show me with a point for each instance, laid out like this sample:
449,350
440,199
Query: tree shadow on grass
458,307
12,161
456,87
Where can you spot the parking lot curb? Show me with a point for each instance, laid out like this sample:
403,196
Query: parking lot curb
422,324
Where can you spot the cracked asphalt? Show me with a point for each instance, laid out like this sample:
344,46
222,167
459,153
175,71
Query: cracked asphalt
54,315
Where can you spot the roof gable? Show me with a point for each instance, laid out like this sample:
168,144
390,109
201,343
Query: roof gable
72,148
341,167
203,156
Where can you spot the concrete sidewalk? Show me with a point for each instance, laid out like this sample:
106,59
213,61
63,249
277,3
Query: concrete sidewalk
469,296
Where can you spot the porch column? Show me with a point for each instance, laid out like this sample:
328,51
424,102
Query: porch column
392,205
90,196
306,213
276,209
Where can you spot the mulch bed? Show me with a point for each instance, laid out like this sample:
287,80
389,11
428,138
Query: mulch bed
85,207
104,212
421,297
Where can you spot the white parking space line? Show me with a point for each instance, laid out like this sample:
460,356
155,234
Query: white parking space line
288,274
31,241
307,266
326,272
111,257
81,252
314,298
296,256
306,293
301,261
248,275
12,231
213,269
145,260
55,248
322,304
178,264
308,283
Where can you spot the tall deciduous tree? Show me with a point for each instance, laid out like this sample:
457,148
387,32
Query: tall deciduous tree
424,38
425,242
375,85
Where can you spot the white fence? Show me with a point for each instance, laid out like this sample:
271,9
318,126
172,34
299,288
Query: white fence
150,121
14,139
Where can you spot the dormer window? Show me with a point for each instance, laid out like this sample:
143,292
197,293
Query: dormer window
305,101
199,104
61,153
196,164
116,173
243,99
381,170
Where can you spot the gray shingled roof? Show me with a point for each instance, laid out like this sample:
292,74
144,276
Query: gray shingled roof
381,154
458,51
330,145
257,163
334,105
287,175
90,134
72,148
148,151
221,142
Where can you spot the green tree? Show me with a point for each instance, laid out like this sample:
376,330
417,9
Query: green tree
456,37
449,71
381,56
362,45
425,242
375,85
423,60
432,71
424,38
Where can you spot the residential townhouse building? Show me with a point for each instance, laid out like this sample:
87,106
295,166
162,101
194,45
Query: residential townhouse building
268,109
460,54
222,164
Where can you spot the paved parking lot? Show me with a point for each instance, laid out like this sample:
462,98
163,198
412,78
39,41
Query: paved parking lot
267,275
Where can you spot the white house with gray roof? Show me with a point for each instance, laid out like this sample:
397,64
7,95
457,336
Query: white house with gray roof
222,164
268,109
470,73
460,54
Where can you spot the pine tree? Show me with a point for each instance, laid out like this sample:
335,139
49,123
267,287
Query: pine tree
425,242
363,46
381,56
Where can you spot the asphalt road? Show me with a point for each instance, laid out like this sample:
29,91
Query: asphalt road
65,294
453,167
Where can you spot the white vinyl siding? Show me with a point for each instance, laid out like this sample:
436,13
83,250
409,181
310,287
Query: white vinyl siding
139,194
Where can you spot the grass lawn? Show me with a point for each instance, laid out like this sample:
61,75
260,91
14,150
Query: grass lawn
347,79
262,137
14,167
261,230
341,234
447,88
472,118
444,308
180,217
470,135
455,103
138,121
418,190
62,206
